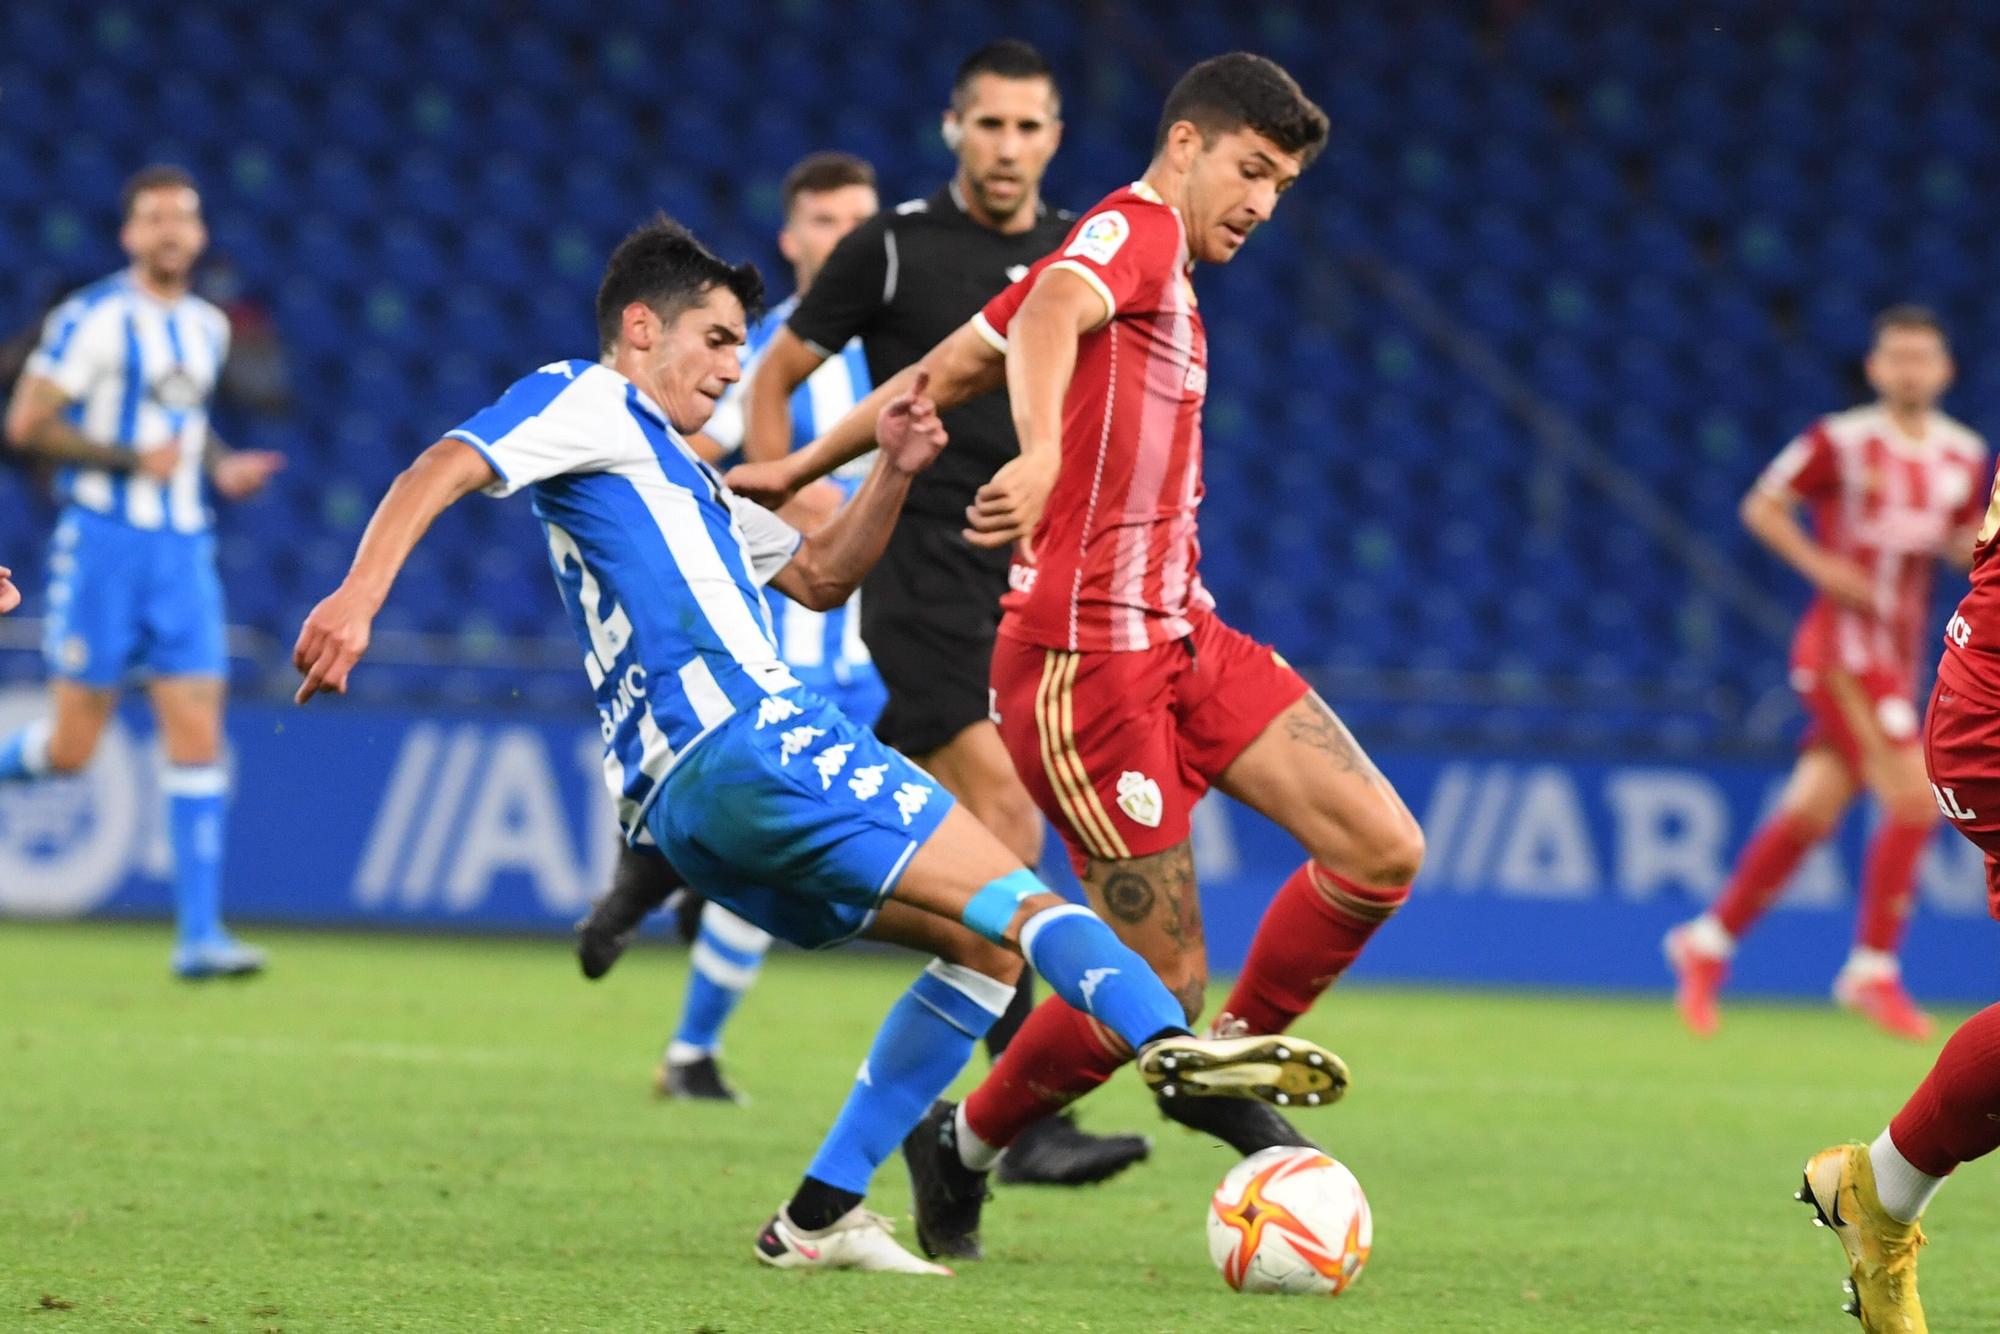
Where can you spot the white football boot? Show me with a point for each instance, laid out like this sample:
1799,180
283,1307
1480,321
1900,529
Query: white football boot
858,1239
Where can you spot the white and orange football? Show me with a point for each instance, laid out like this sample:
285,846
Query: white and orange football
1289,1220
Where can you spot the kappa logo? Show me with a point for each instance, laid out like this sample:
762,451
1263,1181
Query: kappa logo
1101,237
830,762
796,740
1092,979
772,709
911,798
1139,797
867,780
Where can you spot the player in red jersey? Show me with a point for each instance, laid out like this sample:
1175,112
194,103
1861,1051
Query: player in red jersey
1893,487
1872,1195
1119,693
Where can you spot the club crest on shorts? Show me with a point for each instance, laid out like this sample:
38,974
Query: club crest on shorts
1139,797
1898,718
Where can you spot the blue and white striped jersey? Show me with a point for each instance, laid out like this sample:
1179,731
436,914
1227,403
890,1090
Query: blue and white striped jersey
660,566
139,373
812,641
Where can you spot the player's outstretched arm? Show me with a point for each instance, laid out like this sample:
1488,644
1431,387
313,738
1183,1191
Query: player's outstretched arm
767,395
1771,519
336,634
832,559
10,596
1041,362
959,369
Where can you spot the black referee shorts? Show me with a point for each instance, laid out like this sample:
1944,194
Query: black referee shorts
929,612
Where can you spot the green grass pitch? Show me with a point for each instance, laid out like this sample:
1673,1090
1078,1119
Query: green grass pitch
430,1134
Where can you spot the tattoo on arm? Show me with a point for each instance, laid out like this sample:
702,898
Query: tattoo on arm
1319,727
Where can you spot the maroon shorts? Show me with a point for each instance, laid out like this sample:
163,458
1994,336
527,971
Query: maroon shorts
1116,748
1962,752
1886,699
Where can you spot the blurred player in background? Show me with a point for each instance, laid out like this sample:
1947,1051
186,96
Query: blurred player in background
117,395
1893,487
1121,696
760,790
826,196
900,284
1872,1195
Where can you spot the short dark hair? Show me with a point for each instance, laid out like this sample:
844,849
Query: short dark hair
1909,315
1227,93
822,172
663,265
158,176
1008,58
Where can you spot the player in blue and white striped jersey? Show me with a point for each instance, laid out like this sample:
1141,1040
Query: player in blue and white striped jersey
825,197
117,393
759,790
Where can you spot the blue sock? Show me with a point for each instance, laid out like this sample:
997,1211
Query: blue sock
1095,972
24,756
726,955
924,1042
196,795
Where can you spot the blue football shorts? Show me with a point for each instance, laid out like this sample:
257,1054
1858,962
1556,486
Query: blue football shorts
796,818
127,601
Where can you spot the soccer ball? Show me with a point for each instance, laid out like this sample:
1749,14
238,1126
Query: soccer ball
1289,1220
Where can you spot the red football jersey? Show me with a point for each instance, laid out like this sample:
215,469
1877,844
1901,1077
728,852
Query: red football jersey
1115,552
1971,662
1892,505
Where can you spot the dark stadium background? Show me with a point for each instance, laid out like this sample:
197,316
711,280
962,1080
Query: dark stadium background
1484,396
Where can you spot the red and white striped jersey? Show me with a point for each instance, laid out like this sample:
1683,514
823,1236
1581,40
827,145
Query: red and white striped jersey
1116,550
1892,505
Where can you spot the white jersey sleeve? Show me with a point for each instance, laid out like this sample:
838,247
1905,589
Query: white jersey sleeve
545,425
770,541
81,344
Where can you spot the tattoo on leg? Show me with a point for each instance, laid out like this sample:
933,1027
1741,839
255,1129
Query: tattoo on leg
1128,897
1320,728
1157,888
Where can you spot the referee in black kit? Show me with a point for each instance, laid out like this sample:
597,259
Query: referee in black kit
930,609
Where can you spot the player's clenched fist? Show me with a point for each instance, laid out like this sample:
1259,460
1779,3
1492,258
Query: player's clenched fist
1008,508
332,640
10,596
909,432
770,483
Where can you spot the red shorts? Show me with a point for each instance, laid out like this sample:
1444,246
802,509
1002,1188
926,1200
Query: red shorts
1827,724
1118,747
1962,752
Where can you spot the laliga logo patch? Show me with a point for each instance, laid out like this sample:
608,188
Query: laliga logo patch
1139,797
1101,237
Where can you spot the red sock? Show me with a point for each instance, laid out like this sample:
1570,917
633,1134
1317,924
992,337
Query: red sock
1767,862
1954,1116
1313,929
1889,883
1057,1057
